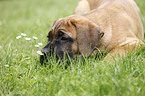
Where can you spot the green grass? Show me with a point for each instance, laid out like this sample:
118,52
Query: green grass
25,76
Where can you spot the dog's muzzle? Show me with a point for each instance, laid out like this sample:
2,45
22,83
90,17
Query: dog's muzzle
44,57
46,53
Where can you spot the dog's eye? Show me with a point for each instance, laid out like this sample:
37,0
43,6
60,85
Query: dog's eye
67,39
60,34
64,38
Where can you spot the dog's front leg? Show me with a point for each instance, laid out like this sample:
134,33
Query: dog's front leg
120,52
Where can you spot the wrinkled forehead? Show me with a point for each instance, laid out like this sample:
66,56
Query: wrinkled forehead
61,24
55,27
57,24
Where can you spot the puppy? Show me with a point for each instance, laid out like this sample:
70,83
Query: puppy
97,25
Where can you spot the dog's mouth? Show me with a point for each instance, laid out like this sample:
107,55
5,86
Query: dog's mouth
46,57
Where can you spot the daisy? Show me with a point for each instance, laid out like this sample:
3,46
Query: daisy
23,34
35,37
36,45
40,53
28,38
18,37
40,44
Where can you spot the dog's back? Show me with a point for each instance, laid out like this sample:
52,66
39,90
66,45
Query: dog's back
97,3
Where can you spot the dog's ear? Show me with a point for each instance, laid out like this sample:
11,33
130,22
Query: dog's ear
88,35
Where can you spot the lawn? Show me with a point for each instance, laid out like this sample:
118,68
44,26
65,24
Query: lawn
22,74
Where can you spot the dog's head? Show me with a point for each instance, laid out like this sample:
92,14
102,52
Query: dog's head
71,36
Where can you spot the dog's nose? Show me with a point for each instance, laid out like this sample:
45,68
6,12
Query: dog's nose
43,57
47,50
44,50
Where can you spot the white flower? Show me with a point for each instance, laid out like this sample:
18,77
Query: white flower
18,37
40,44
36,45
40,53
35,37
0,46
23,34
28,38
6,65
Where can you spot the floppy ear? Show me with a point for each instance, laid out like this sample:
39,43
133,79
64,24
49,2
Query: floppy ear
88,35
